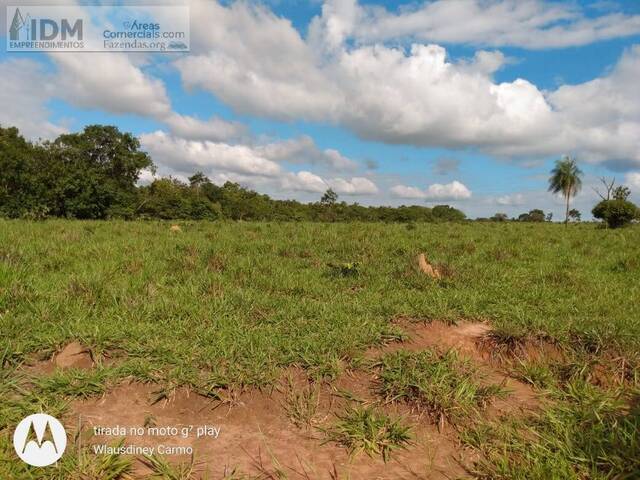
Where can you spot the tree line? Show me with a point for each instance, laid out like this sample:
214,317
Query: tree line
93,174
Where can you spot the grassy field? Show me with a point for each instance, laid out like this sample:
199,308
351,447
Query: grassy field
224,306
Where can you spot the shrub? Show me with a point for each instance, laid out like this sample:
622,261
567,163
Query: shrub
616,213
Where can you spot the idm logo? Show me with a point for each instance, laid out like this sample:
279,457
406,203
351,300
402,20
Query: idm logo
27,28
40,440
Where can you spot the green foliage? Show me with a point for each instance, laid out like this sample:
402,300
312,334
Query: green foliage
616,213
347,269
329,197
535,215
566,178
93,175
585,433
445,385
621,192
363,429
169,198
575,214
81,175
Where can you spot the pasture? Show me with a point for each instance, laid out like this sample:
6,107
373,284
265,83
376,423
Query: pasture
521,361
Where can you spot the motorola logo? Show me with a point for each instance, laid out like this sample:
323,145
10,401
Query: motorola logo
40,440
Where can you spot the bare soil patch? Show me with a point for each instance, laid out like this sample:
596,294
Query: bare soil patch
73,355
469,340
257,438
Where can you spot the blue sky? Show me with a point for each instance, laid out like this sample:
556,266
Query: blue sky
463,102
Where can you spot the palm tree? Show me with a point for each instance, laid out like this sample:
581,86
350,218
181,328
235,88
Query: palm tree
566,178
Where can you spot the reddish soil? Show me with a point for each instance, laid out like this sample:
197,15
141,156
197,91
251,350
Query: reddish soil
468,339
259,439
74,355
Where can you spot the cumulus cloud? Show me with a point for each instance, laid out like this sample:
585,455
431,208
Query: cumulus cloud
256,62
304,182
304,150
109,81
213,129
515,199
355,186
250,165
186,155
632,179
25,91
437,191
404,191
416,96
533,24
450,191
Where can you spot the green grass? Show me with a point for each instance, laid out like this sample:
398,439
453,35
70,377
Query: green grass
585,434
446,386
365,430
230,305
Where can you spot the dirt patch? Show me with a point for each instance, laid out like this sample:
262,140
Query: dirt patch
256,437
469,340
463,337
73,355
260,437
530,348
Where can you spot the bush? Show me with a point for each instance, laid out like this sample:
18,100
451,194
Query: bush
616,213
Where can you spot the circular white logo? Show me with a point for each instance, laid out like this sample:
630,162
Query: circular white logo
40,440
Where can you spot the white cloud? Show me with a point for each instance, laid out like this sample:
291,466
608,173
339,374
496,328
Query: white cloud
253,166
515,199
304,182
214,129
24,93
416,97
186,155
355,186
534,24
450,191
109,81
632,179
404,191
256,62
304,150
437,191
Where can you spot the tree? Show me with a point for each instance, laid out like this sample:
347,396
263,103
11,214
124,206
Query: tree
549,217
616,213
329,197
575,215
566,179
93,174
500,217
609,187
535,215
447,213
621,193
21,192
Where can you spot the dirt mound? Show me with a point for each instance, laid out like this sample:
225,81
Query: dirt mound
426,268
256,437
74,355
464,337
469,340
